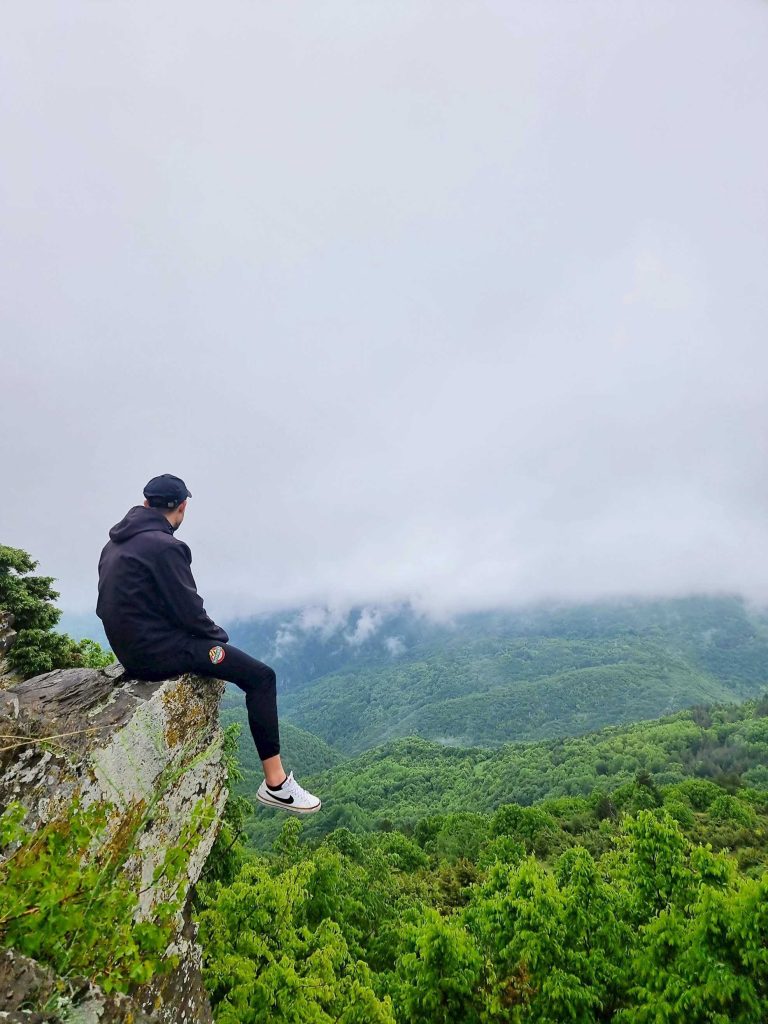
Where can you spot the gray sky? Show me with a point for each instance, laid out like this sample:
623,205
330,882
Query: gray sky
458,301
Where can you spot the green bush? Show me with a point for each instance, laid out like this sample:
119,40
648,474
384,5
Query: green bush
72,909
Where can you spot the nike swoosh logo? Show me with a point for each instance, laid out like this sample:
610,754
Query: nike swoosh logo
282,799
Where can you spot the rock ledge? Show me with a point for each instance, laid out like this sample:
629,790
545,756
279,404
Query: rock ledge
151,751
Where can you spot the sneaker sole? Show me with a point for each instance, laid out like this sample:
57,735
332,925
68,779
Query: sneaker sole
291,808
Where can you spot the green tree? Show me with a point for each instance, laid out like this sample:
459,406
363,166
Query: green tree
263,960
536,829
441,975
30,599
558,941
704,963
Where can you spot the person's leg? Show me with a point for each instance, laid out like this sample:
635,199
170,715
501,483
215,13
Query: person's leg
259,683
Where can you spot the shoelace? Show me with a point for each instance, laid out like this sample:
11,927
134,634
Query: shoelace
293,788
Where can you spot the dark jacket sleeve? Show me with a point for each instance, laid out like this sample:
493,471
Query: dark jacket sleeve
176,584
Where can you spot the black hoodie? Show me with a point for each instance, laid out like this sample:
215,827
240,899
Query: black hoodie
148,600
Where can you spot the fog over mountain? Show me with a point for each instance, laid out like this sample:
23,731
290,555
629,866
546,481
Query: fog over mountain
457,303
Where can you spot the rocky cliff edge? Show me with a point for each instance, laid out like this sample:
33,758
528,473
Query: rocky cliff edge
150,752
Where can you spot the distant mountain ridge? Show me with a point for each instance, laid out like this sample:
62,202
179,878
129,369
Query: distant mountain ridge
375,674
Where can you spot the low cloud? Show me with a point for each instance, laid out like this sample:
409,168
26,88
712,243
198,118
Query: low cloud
283,642
368,623
394,645
323,619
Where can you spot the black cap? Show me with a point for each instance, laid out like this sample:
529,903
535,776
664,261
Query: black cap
166,491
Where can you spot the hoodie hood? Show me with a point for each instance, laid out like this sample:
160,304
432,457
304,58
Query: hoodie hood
139,520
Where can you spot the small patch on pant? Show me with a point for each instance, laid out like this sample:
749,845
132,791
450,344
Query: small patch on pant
216,654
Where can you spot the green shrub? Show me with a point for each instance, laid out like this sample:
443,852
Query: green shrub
699,793
732,811
72,909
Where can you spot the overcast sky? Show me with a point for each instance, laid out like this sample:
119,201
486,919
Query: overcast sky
458,300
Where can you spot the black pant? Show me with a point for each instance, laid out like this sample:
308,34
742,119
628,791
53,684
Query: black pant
256,679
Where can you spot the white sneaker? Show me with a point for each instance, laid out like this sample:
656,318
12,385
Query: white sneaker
290,797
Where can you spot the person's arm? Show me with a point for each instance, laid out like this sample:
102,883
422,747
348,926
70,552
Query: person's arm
176,585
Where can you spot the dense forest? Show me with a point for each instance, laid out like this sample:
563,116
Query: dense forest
611,894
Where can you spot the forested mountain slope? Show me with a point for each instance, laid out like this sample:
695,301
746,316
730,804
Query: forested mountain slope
456,699
484,679
402,782
720,636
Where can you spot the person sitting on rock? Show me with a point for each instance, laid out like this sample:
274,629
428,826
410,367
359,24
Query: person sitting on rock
157,626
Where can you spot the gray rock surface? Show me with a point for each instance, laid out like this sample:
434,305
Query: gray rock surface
25,982
152,751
